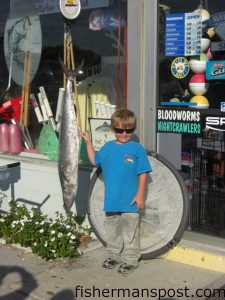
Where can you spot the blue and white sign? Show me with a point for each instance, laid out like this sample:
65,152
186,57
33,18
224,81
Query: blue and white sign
183,34
215,70
222,106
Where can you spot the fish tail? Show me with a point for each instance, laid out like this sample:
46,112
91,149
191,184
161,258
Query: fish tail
70,73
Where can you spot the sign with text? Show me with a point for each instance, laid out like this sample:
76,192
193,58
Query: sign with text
215,70
70,8
215,19
214,121
178,121
183,34
101,132
217,46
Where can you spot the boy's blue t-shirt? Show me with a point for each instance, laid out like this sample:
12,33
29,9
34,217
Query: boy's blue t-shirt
121,164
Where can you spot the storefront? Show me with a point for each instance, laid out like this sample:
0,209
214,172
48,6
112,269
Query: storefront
126,63
33,35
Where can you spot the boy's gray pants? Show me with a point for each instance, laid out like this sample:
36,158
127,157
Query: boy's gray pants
122,232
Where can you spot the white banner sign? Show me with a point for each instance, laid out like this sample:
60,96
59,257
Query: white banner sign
52,6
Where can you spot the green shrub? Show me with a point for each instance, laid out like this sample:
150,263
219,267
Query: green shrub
48,238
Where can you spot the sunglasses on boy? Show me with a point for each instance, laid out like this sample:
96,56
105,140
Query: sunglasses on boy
121,130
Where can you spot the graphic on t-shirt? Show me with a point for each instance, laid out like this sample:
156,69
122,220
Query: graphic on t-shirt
128,158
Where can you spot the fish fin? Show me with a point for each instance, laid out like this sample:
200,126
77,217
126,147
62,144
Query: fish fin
70,73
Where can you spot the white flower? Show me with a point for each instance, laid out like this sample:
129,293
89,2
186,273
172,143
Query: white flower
53,239
2,220
13,225
69,234
53,251
46,244
59,234
36,223
35,244
31,215
42,223
53,232
41,230
73,237
68,226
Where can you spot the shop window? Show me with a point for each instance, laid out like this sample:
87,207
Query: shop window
203,160
197,91
30,67
193,83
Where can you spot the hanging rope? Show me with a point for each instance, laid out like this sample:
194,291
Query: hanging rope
70,64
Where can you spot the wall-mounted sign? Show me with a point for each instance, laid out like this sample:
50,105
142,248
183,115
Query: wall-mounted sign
70,8
178,121
180,67
215,19
183,34
214,122
217,46
101,132
215,70
213,119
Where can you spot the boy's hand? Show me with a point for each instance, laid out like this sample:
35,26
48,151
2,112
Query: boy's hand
139,201
90,149
86,137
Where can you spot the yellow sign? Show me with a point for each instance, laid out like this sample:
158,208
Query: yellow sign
180,67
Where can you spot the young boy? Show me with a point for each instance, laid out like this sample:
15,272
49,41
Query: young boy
125,166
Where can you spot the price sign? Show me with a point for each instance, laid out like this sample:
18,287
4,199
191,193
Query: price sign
183,34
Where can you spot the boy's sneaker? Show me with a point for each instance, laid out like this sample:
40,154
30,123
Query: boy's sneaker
126,268
109,263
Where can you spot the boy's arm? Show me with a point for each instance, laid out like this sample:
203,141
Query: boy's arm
90,149
139,198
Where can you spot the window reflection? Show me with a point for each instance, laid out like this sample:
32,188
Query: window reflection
100,84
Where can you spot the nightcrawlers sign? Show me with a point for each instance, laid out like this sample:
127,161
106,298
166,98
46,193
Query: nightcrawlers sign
178,121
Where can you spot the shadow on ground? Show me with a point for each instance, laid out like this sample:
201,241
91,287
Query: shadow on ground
27,285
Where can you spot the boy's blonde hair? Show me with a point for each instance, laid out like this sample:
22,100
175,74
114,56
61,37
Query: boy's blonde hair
123,117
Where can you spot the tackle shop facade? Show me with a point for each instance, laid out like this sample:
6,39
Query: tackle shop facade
161,59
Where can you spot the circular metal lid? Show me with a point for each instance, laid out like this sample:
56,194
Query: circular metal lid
166,208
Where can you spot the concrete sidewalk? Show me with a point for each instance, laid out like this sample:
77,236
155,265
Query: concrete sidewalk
23,275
